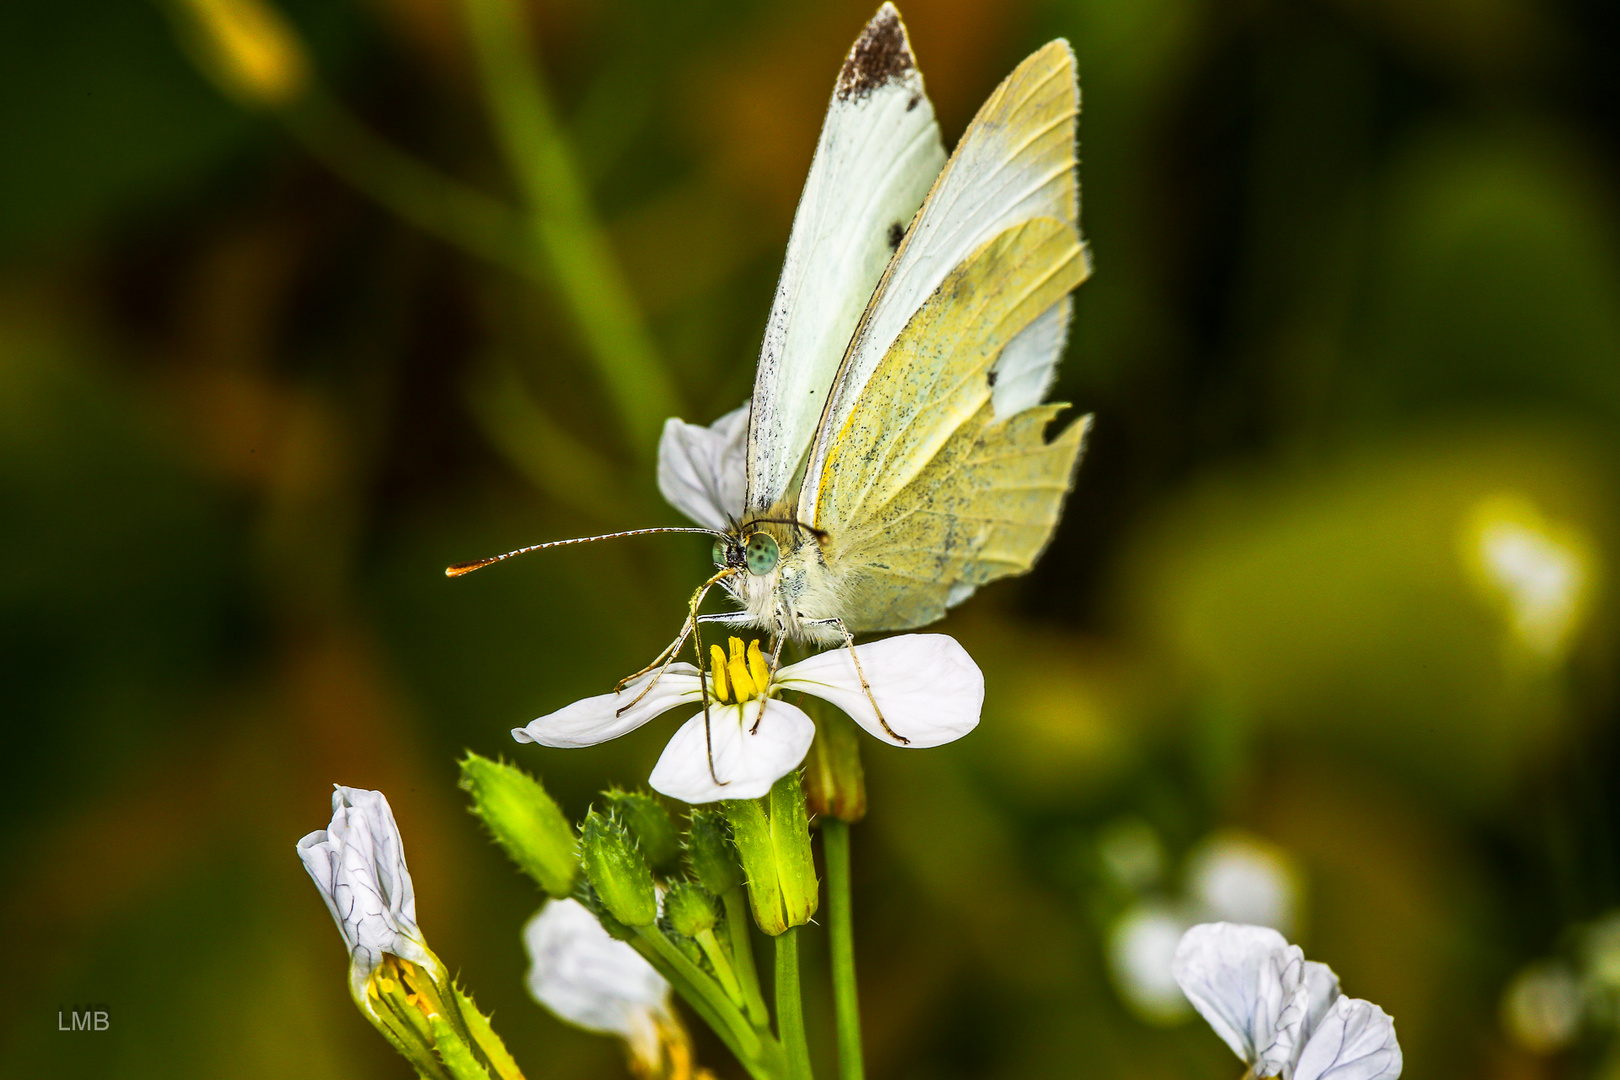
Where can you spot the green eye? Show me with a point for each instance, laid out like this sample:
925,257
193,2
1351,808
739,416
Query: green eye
761,554
719,553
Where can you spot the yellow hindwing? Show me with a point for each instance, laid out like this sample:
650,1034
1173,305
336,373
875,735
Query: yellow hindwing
924,491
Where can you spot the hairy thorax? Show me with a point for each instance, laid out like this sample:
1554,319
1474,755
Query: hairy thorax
799,598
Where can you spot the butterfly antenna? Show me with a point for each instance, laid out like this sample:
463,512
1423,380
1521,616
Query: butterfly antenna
468,567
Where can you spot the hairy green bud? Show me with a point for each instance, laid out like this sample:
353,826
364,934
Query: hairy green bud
651,826
524,820
690,908
617,871
709,852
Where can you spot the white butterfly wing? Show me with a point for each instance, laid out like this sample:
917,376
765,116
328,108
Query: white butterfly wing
878,154
1015,163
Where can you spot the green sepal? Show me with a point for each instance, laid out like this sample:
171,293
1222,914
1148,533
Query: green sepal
503,1065
456,1055
790,835
524,820
773,837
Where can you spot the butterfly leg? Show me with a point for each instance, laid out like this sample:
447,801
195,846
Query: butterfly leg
849,643
692,620
667,657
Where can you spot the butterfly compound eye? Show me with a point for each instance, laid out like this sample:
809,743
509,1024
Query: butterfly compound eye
761,554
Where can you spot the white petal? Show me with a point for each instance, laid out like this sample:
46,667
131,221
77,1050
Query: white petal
1355,1041
702,470
358,864
927,685
597,719
1238,978
588,979
747,761
1321,991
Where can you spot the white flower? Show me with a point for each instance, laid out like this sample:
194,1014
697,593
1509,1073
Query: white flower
1282,1014
1141,947
358,863
1237,878
1543,1007
592,981
928,687
702,470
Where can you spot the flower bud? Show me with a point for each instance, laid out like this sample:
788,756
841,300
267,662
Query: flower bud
690,908
358,863
617,871
650,824
834,782
246,47
709,852
524,821
773,837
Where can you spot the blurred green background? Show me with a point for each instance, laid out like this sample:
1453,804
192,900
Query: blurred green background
1338,573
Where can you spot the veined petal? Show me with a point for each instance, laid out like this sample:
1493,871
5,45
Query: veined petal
747,761
1321,991
702,470
358,864
1354,1041
588,979
597,719
1237,977
927,685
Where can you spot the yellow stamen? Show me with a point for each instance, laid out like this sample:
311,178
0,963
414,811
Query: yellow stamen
756,666
717,669
737,668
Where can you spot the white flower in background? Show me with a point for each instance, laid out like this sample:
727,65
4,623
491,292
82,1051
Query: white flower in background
1538,572
1282,1014
1231,876
928,687
588,979
1542,1007
1236,878
1141,947
358,863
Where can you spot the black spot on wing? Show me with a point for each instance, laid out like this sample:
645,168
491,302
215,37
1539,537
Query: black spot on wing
916,99
897,233
992,378
881,55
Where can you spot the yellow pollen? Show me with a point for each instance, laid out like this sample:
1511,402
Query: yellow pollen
737,668
717,669
756,666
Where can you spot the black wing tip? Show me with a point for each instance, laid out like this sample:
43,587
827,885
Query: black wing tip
880,55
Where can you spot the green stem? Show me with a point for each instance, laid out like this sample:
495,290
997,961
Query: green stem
760,1054
789,1007
723,968
454,212
841,943
742,955
562,224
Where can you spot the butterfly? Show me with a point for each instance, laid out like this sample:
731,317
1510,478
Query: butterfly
894,454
